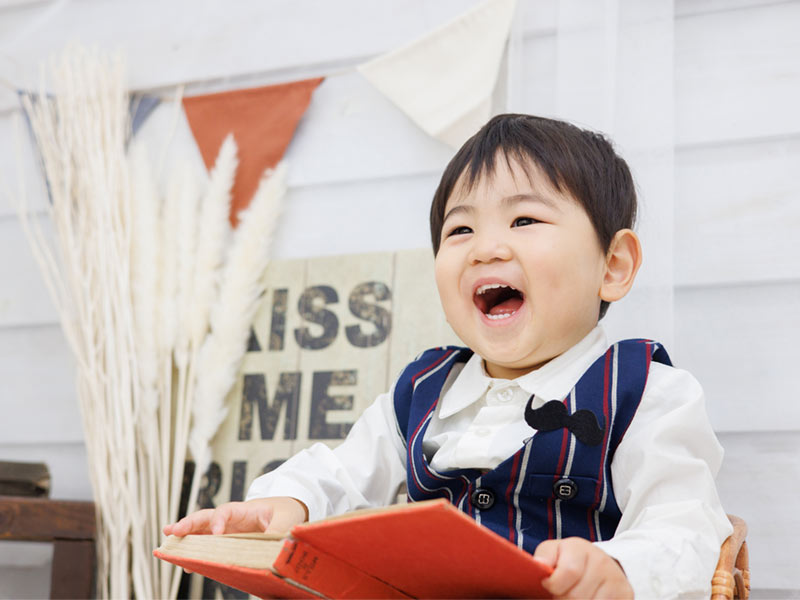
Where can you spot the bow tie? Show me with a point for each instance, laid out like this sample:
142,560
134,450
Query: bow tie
553,415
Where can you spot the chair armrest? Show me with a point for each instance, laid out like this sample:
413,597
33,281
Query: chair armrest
732,575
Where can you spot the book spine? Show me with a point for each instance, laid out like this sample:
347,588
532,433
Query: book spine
330,576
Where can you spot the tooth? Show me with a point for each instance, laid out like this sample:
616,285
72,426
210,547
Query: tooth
492,286
500,316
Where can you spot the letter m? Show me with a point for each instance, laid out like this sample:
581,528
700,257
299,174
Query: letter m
254,394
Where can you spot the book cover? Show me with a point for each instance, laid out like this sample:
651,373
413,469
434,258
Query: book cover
24,479
422,550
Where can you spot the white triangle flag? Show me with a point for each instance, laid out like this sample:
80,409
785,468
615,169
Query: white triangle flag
444,80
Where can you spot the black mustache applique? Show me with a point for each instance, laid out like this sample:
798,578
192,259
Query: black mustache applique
553,415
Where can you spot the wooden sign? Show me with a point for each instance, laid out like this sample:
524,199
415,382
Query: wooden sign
331,334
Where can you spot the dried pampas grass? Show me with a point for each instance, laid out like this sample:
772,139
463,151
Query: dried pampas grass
232,314
81,135
155,297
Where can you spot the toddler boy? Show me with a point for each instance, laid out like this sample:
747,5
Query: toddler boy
598,460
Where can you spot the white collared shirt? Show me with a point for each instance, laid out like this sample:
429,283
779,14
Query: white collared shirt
662,474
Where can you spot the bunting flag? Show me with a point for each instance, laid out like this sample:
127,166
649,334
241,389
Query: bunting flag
262,120
141,107
444,80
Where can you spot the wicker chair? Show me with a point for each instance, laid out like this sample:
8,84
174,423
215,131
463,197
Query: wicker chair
732,576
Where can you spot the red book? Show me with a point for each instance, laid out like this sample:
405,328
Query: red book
420,550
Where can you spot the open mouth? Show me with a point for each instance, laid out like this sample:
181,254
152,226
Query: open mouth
498,301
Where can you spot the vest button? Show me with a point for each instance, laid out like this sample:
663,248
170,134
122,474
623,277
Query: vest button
565,489
483,498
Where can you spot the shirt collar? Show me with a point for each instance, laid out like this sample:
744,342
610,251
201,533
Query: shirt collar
551,381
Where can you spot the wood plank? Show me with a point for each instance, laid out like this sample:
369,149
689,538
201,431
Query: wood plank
690,8
356,217
737,213
739,342
16,16
73,571
737,74
27,300
759,481
19,170
44,520
37,371
539,83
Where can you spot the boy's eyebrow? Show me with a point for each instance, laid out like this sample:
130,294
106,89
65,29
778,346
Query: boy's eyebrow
510,201
459,208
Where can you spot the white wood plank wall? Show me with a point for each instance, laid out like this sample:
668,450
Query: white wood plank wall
737,205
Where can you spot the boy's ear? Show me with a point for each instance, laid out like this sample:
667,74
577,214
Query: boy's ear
623,259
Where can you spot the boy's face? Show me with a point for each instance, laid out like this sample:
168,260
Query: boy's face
519,269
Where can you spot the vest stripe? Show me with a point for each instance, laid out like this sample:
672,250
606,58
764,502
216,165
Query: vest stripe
560,469
570,457
411,456
475,514
515,478
428,371
614,380
517,508
601,468
414,471
464,497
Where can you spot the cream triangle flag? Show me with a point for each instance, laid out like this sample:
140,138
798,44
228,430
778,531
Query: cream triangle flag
444,80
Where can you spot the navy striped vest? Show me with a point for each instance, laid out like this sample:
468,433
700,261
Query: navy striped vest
527,506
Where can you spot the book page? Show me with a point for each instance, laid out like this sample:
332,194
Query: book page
252,550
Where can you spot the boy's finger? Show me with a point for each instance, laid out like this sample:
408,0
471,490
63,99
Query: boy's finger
194,523
220,519
265,519
547,552
568,570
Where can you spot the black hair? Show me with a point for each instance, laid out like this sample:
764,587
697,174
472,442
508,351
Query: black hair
578,161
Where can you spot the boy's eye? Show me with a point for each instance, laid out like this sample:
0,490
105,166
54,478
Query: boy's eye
459,231
522,221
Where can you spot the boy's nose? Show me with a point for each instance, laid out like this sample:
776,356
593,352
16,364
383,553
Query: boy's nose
489,248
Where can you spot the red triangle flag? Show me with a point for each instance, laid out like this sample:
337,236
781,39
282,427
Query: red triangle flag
262,120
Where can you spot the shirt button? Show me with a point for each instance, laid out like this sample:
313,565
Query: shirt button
482,431
505,395
565,489
483,498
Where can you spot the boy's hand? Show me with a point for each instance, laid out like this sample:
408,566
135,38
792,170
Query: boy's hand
271,515
582,570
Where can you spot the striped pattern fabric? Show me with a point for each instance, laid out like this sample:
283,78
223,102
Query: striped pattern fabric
526,509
